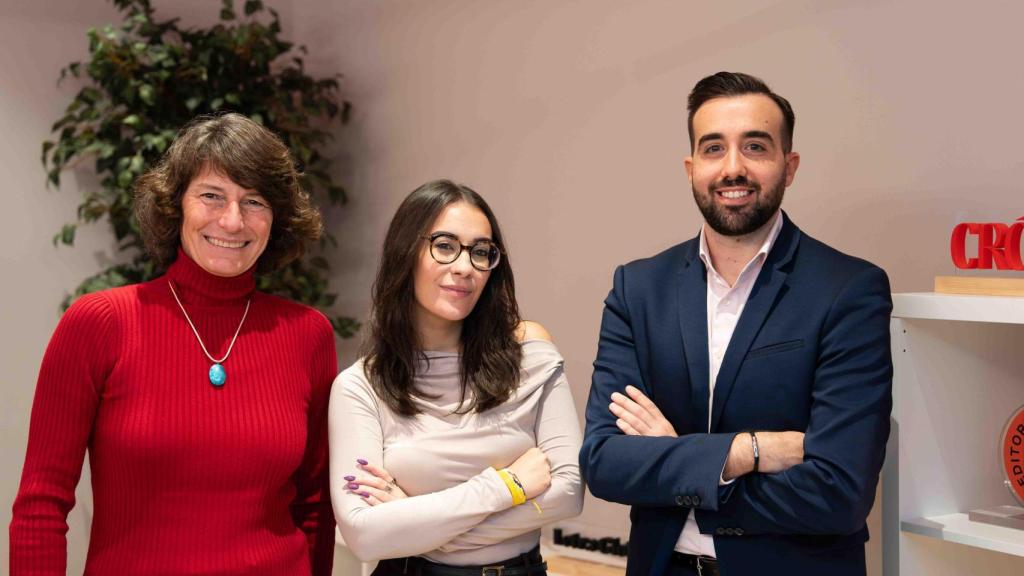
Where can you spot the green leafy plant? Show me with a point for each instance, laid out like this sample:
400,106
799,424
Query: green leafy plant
145,79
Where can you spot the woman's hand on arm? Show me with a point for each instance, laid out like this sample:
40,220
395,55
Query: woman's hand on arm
534,472
376,486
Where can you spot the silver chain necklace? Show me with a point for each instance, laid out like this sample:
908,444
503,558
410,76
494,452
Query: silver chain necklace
218,376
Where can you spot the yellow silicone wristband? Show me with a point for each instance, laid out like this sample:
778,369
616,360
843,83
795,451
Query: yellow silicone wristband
518,494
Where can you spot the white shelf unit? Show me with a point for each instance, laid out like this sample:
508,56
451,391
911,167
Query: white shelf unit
958,375
958,528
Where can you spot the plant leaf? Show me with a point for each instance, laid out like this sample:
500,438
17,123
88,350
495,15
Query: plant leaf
66,235
146,94
253,6
47,146
144,79
227,11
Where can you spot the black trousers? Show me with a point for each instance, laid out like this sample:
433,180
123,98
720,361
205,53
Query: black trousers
415,566
679,570
680,565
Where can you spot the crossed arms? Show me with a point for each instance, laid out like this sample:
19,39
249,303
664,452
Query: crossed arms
631,457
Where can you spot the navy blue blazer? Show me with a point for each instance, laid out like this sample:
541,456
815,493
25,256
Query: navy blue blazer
810,353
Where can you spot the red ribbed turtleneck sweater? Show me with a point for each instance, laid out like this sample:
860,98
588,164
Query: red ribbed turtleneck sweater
186,478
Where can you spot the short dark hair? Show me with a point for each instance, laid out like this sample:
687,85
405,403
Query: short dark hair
251,156
490,356
724,84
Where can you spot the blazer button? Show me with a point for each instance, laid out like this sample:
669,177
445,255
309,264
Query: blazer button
719,531
679,500
739,531
696,500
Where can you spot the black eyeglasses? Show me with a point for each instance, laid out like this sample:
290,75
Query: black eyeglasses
445,248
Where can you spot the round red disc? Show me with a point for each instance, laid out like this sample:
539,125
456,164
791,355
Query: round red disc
1012,454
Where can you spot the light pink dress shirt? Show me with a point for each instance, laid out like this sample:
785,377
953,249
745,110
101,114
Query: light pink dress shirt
725,304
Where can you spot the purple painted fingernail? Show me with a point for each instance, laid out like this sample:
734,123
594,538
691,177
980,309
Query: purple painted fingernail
352,486
361,461
349,478
364,494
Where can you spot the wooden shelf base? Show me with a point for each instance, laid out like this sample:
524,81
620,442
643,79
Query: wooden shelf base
979,285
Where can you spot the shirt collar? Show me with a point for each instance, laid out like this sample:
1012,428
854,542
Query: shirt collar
762,253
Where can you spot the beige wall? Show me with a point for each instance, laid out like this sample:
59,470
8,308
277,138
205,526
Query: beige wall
569,117
37,42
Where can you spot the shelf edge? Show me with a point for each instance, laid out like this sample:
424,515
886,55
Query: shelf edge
949,528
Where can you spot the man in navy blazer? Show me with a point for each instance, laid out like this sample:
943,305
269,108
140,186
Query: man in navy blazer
742,387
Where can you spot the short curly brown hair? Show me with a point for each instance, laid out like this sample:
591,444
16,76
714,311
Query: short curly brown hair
250,155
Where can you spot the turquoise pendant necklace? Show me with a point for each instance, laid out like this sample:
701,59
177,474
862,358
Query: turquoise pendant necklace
218,376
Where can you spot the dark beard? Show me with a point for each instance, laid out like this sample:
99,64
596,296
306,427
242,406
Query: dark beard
729,221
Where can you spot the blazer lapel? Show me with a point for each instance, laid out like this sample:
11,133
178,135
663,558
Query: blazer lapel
693,324
762,299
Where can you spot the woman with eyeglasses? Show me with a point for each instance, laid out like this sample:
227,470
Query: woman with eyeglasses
454,438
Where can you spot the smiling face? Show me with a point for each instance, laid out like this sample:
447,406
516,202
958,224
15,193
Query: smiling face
224,227
738,170
447,293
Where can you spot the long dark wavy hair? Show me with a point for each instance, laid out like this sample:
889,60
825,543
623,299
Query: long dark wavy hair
491,353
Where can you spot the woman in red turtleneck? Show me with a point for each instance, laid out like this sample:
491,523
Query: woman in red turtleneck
202,402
